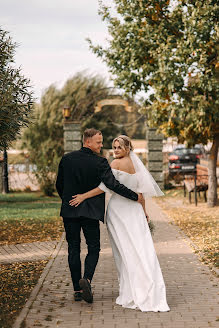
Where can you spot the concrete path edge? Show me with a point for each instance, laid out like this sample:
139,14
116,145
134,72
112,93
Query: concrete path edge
21,317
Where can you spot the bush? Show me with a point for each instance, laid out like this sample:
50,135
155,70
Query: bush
46,179
48,188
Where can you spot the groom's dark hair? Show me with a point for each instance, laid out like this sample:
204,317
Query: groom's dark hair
89,133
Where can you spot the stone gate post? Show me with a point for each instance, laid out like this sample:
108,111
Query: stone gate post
155,155
72,136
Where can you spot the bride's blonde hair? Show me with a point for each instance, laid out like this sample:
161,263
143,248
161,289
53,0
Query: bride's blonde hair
124,142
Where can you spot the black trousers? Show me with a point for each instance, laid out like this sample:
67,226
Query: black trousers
91,230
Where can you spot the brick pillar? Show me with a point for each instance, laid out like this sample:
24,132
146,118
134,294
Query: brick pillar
72,136
155,155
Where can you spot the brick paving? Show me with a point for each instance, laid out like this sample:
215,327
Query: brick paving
192,290
26,252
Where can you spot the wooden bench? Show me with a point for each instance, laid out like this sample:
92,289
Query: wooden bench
197,183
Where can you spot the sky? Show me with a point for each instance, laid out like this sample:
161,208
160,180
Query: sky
51,37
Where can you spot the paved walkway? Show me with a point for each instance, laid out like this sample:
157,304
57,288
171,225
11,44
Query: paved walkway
191,289
26,252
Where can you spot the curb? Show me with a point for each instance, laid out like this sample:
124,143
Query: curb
23,314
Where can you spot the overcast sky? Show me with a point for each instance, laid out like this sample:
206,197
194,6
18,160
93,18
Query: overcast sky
51,36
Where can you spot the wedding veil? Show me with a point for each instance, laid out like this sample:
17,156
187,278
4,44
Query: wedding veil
146,183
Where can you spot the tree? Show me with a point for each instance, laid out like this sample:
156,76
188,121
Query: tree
114,120
15,93
44,137
171,52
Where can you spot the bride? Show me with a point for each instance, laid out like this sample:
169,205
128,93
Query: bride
141,284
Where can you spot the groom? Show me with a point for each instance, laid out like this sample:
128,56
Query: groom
80,171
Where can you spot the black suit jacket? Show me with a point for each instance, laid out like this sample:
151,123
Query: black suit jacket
81,171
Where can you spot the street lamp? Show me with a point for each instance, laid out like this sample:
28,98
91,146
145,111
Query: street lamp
66,112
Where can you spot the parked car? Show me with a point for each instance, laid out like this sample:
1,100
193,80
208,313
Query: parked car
201,151
183,160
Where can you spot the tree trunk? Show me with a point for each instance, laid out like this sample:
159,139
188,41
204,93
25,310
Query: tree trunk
212,177
1,177
5,173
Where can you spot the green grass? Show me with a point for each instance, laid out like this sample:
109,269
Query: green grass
27,197
11,211
29,217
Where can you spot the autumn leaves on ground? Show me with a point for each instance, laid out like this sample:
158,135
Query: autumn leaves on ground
199,223
24,218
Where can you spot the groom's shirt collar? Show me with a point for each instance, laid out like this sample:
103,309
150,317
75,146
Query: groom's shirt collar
86,150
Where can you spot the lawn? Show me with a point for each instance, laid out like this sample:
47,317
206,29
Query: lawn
29,217
200,223
24,217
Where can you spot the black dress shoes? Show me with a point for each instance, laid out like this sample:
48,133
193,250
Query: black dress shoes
86,290
77,296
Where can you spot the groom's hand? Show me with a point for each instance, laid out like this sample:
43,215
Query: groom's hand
76,200
140,199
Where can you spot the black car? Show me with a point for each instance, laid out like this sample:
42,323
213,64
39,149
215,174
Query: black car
183,160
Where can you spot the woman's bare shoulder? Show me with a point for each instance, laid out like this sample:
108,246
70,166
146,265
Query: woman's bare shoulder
127,165
115,164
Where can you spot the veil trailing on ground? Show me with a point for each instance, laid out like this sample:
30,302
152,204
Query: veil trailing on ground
146,183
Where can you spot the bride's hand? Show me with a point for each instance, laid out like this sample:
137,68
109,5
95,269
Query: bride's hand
77,200
147,217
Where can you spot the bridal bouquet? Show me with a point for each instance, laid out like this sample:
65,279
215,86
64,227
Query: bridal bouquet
151,227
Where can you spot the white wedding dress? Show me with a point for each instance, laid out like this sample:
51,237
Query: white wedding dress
141,284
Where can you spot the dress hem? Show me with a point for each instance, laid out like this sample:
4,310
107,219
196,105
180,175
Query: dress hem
136,307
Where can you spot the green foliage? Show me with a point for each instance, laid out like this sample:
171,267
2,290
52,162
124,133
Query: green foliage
44,137
15,94
21,158
171,52
114,120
